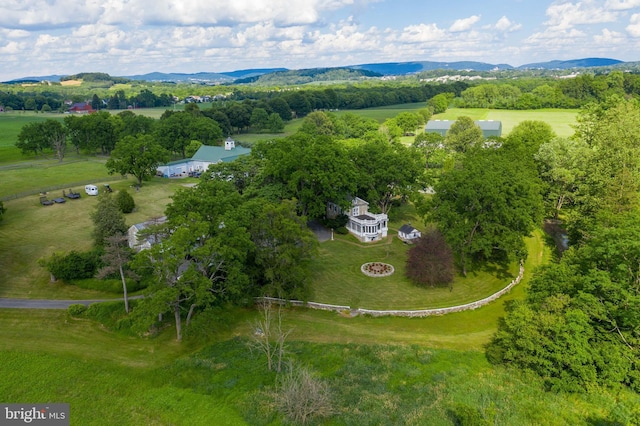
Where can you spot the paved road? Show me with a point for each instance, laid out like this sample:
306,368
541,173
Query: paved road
47,304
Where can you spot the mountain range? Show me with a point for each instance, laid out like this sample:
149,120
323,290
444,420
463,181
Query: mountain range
380,69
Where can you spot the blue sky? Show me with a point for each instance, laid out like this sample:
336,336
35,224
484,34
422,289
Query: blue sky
126,37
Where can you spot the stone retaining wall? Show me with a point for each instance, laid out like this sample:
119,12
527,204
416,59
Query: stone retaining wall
399,313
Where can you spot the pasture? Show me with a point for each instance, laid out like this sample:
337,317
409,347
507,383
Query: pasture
561,121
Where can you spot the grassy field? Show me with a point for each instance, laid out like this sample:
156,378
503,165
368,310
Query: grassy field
30,231
338,279
559,119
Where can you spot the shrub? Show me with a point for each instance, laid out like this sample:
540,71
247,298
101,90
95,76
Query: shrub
74,265
342,230
125,201
76,309
112,315
336,222
302,397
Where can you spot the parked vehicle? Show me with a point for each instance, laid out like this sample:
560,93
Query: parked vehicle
91,189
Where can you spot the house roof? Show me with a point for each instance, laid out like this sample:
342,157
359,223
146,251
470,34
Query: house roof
407,229
357,201
215,154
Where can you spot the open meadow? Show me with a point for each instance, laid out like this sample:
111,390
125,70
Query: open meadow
387,370
561,120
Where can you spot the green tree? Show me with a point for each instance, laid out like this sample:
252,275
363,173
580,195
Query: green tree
108,220
428,144
578,326
259,118
317,123
176,131
125,201
313,170
407,121
275,123
284,248
131,124
239,116
96,103
530,135
440,103
612,172
92,132
198,265
562,167
139,156
281,107
463,135
385,171
487,205
32,139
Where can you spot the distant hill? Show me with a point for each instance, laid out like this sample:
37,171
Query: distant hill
403,68
309,75
252,72
52,78
336,73
574,63
200,77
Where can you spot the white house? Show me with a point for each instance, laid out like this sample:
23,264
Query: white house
408,233
364,225
132,234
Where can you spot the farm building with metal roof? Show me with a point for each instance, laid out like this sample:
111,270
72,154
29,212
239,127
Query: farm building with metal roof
489,127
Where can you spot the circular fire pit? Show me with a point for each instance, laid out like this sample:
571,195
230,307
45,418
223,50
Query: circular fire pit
377,269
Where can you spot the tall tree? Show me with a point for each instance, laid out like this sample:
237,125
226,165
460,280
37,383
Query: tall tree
313,170
194,267
579,325
463,135
284,248
108,220
139,156
117,255
487,205
562,166
428,144
176,131
385,171
530,135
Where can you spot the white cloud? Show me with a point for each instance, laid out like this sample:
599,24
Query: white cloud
609,38
15,33
567,15
421,33
48,14
11,48
621,4
504,24
464,24
634,25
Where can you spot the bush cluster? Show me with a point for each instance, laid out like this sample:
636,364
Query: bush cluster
74,265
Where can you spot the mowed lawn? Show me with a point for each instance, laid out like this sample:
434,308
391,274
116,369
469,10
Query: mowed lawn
31,231
561,120
339,280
